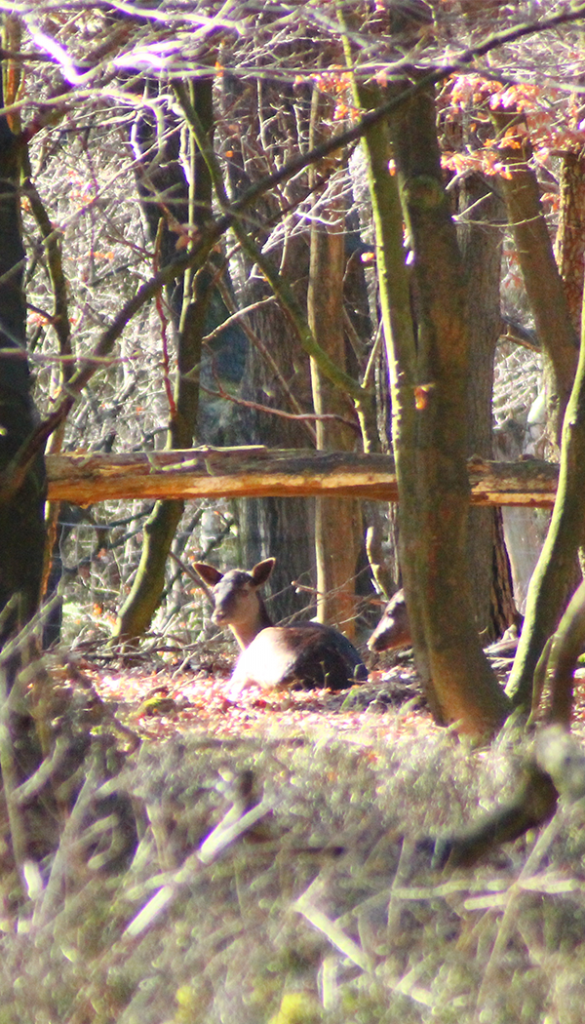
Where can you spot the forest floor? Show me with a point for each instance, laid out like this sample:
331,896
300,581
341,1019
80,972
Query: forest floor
167,702
264,859
170,700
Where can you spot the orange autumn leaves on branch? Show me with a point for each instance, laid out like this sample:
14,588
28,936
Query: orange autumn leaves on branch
553,127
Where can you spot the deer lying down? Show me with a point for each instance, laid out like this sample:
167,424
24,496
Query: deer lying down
393,630
305,655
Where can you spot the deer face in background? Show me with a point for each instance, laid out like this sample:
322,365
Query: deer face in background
393,629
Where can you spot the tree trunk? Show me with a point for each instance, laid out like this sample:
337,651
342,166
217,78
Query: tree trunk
160,528
553,577
544,287
570,240
429,368
272,526
433,528
22,527
22,530
337,533
504,611
480,240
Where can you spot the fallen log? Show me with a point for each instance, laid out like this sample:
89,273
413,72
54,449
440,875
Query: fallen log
84,478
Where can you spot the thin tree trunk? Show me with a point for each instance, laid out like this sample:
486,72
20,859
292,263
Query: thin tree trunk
136,614
553,577
336,520
480,235
544,287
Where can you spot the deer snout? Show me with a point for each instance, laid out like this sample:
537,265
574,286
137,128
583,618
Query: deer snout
220,617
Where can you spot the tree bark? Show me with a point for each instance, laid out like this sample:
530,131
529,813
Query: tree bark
266,524
570,240
137,611
553,576
22,530
434,562
271,526
337,533
480,239
427,348
544,287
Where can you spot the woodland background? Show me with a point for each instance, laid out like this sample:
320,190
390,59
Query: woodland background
109,183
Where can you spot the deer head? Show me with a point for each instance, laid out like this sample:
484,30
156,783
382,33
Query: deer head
236,601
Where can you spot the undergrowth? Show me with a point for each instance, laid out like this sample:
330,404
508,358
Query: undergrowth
280,877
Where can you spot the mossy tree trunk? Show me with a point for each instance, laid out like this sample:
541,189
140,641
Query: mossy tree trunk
555,317
434,450
428,358
553,577
160,528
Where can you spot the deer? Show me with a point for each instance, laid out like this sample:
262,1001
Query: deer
393,629
306,655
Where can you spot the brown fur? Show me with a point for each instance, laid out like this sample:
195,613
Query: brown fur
393,629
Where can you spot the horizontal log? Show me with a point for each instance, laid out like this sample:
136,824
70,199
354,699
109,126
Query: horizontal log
84,478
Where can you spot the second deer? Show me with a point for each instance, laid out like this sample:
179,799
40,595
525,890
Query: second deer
304,655
393,629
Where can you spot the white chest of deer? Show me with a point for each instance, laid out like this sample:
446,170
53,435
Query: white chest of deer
304,655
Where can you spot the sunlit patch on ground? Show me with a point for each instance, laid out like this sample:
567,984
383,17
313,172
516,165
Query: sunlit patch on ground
162,703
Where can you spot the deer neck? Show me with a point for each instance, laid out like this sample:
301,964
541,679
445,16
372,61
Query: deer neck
246,632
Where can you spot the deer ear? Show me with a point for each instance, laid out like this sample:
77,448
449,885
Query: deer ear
209,574
261,572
